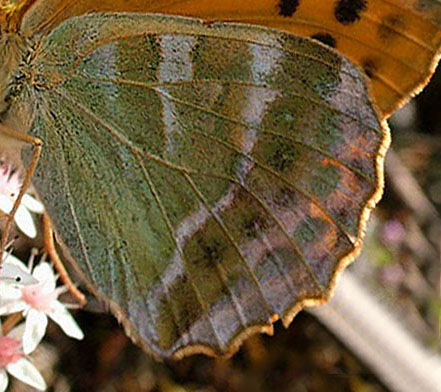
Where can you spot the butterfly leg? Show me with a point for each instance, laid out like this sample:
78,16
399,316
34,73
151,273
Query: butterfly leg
38,145
49,245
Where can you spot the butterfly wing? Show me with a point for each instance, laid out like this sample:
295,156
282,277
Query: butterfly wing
207,179
395,42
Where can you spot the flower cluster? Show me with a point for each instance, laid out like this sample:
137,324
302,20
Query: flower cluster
28,291
33,292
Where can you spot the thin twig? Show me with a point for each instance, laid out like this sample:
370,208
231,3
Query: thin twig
361,322
11,322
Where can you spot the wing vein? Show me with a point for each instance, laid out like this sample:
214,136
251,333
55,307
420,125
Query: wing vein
264,167
227,234
170,230
71,206
268,210
287,137
116,38
278,176
153,87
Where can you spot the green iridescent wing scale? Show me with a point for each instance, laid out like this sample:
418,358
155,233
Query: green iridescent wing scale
206,178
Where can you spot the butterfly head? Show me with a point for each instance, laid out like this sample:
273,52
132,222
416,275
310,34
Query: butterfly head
11,13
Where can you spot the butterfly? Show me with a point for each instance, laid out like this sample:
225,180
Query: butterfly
204,178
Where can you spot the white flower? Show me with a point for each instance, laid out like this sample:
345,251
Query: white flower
12,272
10,183
13,361
38,302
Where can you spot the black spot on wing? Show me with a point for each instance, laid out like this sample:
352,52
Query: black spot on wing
254,224
370,67
212,251
281,154
390,24
325,38
288,7
349,11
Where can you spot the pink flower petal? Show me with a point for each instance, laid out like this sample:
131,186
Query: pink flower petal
10,351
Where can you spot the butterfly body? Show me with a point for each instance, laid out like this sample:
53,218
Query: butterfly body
10,52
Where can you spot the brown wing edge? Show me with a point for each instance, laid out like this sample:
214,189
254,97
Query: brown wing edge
237,340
